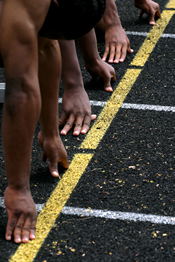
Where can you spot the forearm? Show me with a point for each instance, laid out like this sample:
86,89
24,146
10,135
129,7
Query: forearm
71,72
88,47
111,16
49,76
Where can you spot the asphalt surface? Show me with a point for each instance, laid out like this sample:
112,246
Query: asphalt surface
131,168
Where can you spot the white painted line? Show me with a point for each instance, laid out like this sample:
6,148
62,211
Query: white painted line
145,34
128,216
97,103
148,107
2,90
102,103
119,215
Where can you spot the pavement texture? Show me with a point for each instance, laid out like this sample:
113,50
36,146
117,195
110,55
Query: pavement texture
125,164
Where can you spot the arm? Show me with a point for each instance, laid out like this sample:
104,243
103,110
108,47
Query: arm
22,105
76,107
49,138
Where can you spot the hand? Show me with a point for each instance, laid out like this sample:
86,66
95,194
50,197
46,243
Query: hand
101,69
54,150
22,215
76,110
149,7
116,44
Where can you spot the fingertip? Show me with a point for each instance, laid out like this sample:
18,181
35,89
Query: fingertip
121,60
130,50
152,22
8,237
110,61
76,133
63,132
25,240
109,89
93,117
116,61
17,240
83,131
55,173
32,236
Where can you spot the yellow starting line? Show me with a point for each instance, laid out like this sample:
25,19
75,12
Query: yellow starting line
59,197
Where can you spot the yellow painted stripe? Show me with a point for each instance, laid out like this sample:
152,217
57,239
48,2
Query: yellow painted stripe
111,108
53,207
171,4
152,38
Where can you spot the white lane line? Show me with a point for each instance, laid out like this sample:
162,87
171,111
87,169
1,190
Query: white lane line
148,107
118,215
138,106
145,34
102,103
87,212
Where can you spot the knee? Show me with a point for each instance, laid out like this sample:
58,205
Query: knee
19,94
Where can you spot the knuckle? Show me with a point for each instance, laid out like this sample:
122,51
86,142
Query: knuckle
19,226
27,228
86,124
68,123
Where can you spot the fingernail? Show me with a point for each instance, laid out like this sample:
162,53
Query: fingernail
63,132
83,131
18,240
32,237
109,89
55,173
8,238
110,61
25,239
76,133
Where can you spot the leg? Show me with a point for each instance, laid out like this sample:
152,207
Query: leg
49,78
22,106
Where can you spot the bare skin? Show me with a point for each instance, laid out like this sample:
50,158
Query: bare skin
48,138
150,8
92,61
77,111
117,44
76,107
22,109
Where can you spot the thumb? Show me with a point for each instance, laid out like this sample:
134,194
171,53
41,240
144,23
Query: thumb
141,13
62,119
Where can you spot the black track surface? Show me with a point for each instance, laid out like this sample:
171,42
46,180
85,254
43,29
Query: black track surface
136,138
